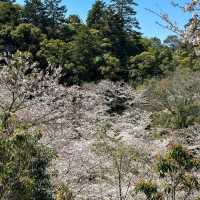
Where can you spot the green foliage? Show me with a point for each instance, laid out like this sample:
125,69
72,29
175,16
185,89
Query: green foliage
110,67
166,65
34,12
125,12
149,188
27,37
142,66
176,160
55,11
179,165
23,168
163,119
196,64
73,20
108,21
183,59
154,61
176,98
64,193
159,135
5,33
186,115
6,43
102,49
108,46
85,56
56,16
47,15
173,42
96,15
178,168
54,51
10,13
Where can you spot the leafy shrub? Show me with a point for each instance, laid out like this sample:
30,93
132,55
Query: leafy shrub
142,66
23,168
177,100
149,188
178,169
27,37
64,193
110,68
54,51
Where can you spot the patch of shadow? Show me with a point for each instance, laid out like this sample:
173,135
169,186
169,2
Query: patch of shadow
116,102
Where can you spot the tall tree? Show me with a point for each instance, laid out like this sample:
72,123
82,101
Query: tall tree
55,13
124,9
24,161
96,15
10,14
34,12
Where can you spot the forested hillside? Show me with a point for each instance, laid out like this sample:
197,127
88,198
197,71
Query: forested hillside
94,110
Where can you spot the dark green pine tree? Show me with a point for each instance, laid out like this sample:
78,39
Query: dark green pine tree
125,11
10,14
55,13
34,12
120,28
96,15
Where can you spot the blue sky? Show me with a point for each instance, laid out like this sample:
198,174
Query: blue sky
147,20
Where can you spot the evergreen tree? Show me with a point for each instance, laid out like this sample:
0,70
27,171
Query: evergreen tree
124,9
114,33
55,13
96,15
34,12
10,14
122,43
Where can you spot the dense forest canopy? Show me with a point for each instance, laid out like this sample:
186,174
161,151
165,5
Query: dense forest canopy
109,45
42,52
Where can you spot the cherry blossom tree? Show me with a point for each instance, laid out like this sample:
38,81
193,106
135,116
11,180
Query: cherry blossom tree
29,95
190,33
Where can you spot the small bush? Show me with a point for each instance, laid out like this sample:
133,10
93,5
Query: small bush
176,101
64,193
